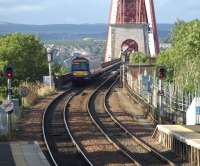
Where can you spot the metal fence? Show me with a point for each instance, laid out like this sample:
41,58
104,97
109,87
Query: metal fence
143,83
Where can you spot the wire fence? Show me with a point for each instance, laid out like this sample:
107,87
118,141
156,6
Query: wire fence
174,101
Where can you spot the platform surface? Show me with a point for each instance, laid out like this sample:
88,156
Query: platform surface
187,134
22,154
195,128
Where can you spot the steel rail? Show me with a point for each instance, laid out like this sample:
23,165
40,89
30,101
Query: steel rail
92,96
69,131
138,140
43,125
44,132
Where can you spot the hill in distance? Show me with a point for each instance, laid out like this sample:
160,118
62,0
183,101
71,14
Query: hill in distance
69,31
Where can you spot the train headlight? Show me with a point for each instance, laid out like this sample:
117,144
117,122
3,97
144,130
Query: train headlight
80,73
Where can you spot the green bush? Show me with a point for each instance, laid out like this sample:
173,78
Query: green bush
27,55
183,58
36,90
138,57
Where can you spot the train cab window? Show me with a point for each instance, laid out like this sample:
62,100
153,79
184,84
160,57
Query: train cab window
80,66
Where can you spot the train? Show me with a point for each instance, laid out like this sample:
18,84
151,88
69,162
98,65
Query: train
82,69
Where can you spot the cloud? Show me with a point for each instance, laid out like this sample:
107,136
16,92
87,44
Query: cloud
22,8
8,7
81,11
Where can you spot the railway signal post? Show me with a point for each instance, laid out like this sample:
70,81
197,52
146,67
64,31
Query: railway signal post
50,59
8,105
123,69
161,74
9,76
125,59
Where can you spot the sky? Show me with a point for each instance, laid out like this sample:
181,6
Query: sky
87,11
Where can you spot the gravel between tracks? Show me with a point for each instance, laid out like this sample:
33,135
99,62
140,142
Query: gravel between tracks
62,148
132,115
29,127
99,150
118,135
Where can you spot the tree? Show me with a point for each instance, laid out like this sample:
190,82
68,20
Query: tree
59,69
184,56
138,57
26,53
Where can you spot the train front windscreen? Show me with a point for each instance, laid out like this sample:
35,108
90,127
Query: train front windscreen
81,66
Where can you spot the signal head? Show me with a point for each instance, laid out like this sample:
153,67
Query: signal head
9,72
161,72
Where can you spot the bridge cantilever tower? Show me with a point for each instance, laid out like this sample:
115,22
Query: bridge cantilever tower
132,20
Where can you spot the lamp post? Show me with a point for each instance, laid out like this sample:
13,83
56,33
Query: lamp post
50,59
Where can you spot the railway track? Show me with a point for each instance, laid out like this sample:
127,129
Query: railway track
137,122
79,129
90,140
61,149
130,145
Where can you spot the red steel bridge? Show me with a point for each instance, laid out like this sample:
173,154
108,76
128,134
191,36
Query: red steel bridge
124,12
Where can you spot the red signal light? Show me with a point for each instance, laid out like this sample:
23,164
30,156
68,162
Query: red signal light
161,73
9,73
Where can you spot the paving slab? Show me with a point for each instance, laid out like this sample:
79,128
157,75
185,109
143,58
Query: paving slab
22,154
6,157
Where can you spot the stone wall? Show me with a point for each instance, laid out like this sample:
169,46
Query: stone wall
120,33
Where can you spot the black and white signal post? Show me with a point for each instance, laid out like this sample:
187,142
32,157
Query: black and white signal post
9,76
8,104
50,59
123,69
161,74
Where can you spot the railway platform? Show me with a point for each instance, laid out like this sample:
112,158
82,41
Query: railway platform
183,140
22,154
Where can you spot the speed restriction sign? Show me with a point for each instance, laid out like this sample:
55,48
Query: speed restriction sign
7,106
23,91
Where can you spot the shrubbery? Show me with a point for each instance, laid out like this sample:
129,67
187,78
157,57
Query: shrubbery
183,59
36,90
27,55
138,57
